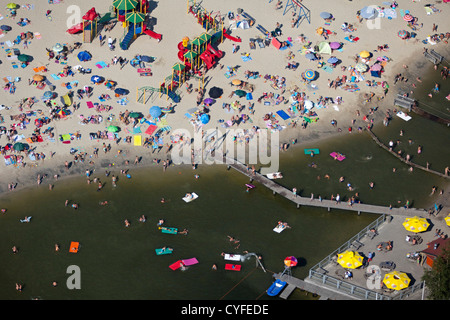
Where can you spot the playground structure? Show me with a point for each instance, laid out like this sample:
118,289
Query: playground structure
196,56
132,14
304,13
90,20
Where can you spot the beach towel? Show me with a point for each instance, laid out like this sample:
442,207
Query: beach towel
101,64
289,44
246,58
327,68
37,35
249,96
137,130
89,104
283,114
137,140
276,43
151,128
55,76
353,40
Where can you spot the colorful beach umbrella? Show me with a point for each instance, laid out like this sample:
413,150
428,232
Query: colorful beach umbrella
125,4
310,56
326,15
403,34
155,111
11,5
97,79
408,17
335,45
290,261
113,129
368,13
416,224
361,67
48,95
350,259
19,146
204,118
376,67
135,17
396,280
447,219
84,56
121,91
333,60
364,54
58,47
24,58
309,75
38,77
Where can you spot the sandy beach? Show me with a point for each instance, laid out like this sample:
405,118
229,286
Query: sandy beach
172,20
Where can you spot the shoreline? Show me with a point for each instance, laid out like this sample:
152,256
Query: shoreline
315,133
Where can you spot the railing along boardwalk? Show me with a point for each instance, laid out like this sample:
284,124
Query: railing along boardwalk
323,203
415,165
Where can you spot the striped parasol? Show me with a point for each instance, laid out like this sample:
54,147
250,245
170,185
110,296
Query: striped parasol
309,74
408,17
403,34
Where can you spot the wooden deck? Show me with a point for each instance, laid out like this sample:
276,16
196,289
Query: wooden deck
329,204
294,283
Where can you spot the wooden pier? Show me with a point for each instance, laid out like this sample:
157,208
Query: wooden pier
323,203
295,283
415,165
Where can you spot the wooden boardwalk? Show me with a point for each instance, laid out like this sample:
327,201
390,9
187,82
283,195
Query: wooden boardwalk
329,204
415,165
294,283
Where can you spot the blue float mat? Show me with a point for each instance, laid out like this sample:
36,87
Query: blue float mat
283,114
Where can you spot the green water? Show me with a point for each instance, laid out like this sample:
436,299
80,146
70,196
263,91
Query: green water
120,263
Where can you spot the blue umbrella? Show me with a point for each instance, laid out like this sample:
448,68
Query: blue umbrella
310,56
155,111
121,91
368,13
96,79
325,15
48,95
204,118
84,56
333,60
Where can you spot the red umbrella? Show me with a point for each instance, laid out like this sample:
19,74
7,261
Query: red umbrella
408,17
290,261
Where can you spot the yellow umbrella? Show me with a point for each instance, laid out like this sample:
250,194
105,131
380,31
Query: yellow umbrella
447,219
236,82
416,224
350,259
396,280
364,54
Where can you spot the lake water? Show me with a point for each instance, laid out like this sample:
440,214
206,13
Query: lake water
120,263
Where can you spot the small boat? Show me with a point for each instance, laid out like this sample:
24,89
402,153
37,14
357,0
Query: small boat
162,251
190,198
168,230
276,288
